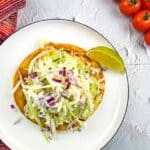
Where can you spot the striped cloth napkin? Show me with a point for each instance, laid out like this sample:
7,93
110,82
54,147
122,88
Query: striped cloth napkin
8,21
8,17
3,146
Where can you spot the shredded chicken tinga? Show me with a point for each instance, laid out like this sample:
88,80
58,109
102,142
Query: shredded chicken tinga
58,87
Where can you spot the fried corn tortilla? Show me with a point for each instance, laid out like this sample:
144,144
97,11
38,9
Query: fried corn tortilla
73,51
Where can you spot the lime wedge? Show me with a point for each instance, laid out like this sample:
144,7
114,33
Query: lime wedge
107,57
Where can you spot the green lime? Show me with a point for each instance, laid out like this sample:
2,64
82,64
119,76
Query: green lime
107,57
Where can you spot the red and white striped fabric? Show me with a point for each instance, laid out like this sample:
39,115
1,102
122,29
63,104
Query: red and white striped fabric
8,26
3,146
8,17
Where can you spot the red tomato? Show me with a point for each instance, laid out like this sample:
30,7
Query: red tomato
130,7
147,37
146,4
141,21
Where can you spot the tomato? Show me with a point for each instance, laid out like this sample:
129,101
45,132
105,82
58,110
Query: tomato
147,37
146,4
141,21
130,7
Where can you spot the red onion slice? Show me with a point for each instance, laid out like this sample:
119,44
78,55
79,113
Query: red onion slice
33,75
12,106
68,85
67,80
51,101
56,80
63,72
73,125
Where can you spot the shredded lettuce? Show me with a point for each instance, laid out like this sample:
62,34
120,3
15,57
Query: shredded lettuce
63,91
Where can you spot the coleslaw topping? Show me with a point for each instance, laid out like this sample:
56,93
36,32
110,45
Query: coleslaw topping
60,89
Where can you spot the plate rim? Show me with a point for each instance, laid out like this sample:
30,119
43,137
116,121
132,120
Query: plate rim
4,140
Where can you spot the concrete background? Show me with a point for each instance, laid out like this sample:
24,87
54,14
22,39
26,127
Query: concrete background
105,17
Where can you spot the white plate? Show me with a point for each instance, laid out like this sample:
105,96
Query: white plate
99,129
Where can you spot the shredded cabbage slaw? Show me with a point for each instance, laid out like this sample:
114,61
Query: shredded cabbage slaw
60,89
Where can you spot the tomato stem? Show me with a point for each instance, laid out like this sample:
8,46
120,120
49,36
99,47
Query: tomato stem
146,16
133,2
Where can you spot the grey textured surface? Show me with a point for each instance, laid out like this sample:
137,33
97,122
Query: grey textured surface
104,16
